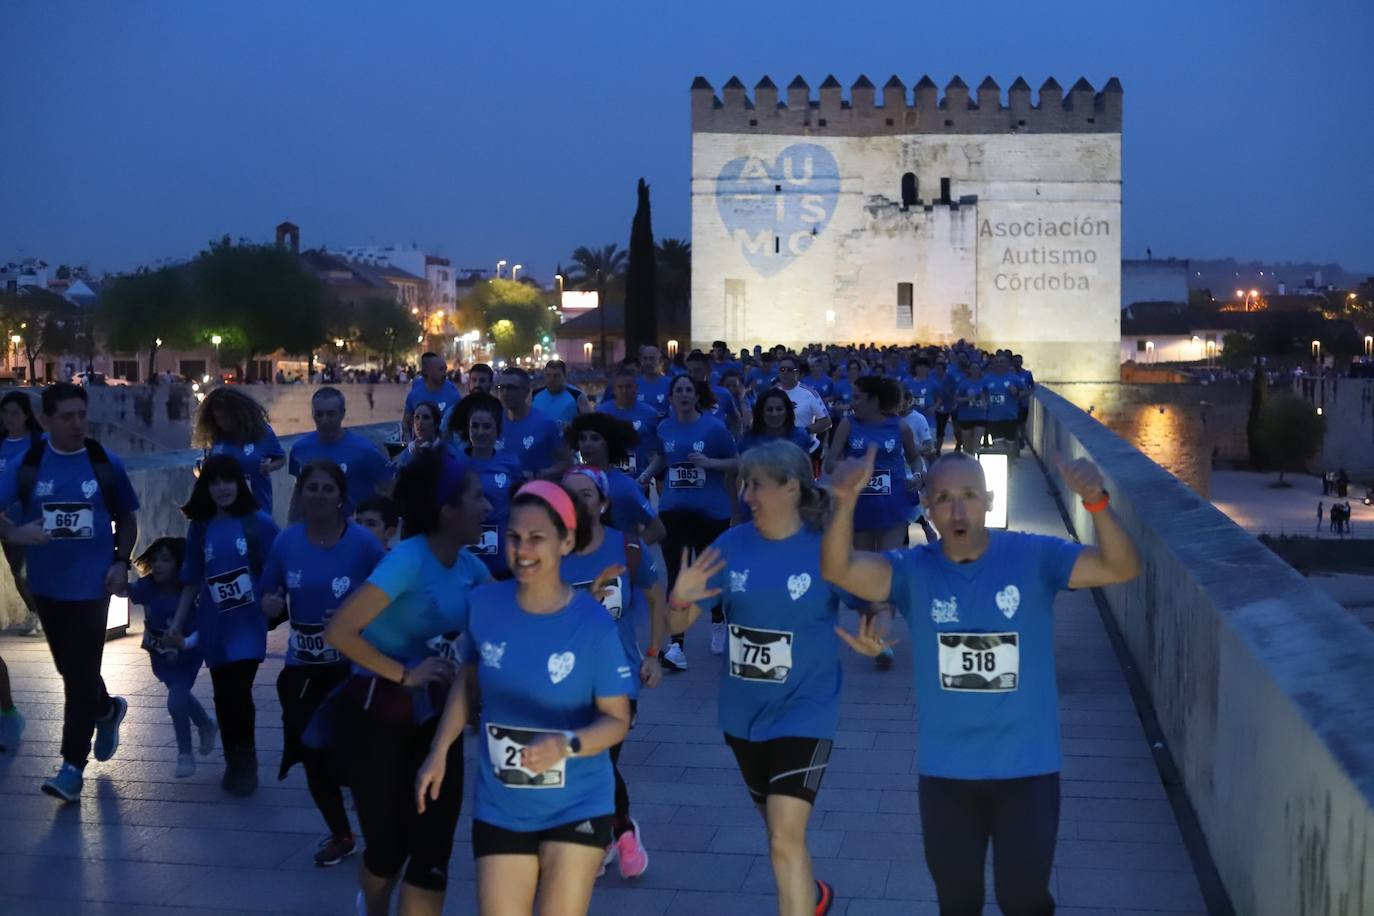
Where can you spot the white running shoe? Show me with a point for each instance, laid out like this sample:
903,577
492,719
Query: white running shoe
186,765
717,638
674,658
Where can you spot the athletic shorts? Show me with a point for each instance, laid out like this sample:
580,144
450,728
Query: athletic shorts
1004,429
781,766
490,840
967,425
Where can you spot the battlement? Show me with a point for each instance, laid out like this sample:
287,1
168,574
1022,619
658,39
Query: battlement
922,111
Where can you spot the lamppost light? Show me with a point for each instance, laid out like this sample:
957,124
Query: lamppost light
157,341
216,340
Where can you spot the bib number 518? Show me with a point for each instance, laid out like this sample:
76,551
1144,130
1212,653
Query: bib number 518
979,662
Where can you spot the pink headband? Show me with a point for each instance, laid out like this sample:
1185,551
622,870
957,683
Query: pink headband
557,499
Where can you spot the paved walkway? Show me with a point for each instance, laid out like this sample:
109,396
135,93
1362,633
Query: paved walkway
142,842
1249,499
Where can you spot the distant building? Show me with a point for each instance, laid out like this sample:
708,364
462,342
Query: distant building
435,270
24,272
573,337
1154,280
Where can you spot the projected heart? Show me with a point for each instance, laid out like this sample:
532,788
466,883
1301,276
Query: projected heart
775,210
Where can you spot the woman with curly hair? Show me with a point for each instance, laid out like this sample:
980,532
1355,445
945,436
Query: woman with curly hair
232,423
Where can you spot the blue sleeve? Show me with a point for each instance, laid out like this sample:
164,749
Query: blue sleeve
726,443
272,575
1057,559
270,446
193,566
900,595
270,531
138,591
9,486
397,573
614,677
642,577
293,464
125,497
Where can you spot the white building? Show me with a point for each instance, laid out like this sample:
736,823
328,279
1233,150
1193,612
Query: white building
436,270
844,220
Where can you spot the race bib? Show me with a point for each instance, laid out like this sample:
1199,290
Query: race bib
307,646
613,600
445,645
69,521
880,484
686,477
504,745
231,590
986,662
487,544
997,399
760,655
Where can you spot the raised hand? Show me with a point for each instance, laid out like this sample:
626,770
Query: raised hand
852,475
694,579
1082,477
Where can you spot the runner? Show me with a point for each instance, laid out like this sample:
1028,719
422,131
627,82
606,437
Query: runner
642,418
481,378
158,592
623,595
971,410
425,429
499,472
811,414
653,384
62,499
312,568
531,438
363,463
880,521
1004,393
945,403
780,690
698,501
231,423
556,398
226,545
724,409
554,681
377,516
1028,383
773,420
432,386
980,607
732,380
22,433
387,711
925,389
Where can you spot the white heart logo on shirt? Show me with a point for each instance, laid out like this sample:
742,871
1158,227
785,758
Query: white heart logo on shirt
561,665
528,442
500,444
88,488
501,480
798,584
890,444
698,446
340,586
343,466
241,545
248,449
1009,599
636,425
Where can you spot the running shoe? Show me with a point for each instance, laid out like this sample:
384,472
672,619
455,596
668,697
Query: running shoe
186,765
612,853
674,659
107,729
884,659
32,626
11,730
208,731
334,849
825,897
65,784
240,771
634,859
717,638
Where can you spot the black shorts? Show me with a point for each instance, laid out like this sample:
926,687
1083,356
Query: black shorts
967,425
490,840
1004,429
781,766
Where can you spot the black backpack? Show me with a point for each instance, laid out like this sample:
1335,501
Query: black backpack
100,463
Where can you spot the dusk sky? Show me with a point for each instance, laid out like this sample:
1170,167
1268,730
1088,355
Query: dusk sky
139,130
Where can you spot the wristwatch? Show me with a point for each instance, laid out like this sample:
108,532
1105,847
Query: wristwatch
574,743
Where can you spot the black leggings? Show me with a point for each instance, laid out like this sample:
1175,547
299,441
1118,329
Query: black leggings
688,528
383,758
622,791
1019,816
76,636
15,556
301,689
233,683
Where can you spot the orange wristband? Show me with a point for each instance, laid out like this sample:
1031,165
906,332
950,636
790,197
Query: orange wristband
1099,505
652,652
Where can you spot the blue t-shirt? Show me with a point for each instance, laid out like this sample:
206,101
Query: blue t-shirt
447,395
1003,393
365,467
67,498
625,598
562,407
429,601
975,408
781,672
531,441
630,508
14,450
644,419
159,607
823,385
983,653
687,486
726,411
883,504
927,394
498,474
1027,378
226,565
317,582
250,456
654,393
541,673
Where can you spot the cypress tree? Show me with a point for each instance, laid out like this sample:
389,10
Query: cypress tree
641,282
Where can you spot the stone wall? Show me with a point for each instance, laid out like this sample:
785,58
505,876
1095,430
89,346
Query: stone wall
163,481
1260,683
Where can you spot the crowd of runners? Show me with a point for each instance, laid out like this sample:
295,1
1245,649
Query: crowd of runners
526,557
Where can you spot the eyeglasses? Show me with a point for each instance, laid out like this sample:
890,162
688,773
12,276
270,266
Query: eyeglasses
509,387
787,368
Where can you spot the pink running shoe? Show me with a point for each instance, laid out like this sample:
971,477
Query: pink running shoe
634,860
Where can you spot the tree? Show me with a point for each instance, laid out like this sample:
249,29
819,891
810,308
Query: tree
598,269
379,324
674,275
260,298
1237,350
149,309
1290,434
641,283
1259,392
45,322
515,314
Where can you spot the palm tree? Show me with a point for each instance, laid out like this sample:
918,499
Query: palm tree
674,258
595,268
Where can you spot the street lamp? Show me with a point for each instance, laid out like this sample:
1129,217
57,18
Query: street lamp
1317,350
515,270
558,278
1368,346
672,349
587,352
500,264
1149,351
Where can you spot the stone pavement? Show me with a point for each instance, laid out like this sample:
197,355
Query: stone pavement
142,842
1248,500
